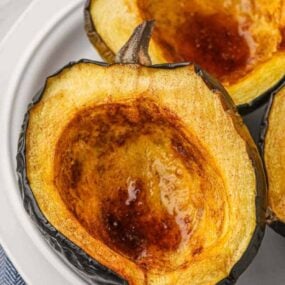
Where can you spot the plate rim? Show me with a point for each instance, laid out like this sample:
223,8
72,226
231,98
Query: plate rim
18,235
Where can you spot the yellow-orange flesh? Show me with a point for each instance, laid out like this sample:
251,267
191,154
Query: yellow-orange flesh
275,155
150,175
227,38
135,180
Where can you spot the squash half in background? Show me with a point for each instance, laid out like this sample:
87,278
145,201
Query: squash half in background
241,43
273,147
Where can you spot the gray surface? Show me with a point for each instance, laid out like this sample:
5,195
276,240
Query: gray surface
269,266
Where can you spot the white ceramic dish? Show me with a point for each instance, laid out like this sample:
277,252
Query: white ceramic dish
47,36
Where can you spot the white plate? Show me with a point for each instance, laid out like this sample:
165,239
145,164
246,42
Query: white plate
47,36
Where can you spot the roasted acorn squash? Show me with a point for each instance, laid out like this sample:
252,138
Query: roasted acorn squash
147,173
273,146
239,42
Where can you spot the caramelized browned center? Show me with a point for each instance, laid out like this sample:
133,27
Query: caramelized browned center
136,181
215,40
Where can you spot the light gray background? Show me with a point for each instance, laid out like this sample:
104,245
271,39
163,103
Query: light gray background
9,12
269,266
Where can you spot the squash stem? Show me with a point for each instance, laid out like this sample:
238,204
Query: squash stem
135,51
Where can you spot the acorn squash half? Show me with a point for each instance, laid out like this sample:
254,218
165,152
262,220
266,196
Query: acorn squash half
273,146
142,175
239,42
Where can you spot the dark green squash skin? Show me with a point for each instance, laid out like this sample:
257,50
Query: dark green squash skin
88,268
261,100
277,225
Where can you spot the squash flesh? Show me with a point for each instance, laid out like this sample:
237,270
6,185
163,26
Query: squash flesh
141,186
274,152
88,85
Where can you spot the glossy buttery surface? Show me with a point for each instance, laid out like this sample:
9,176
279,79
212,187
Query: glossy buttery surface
139,175
227,38
137,182
275,155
